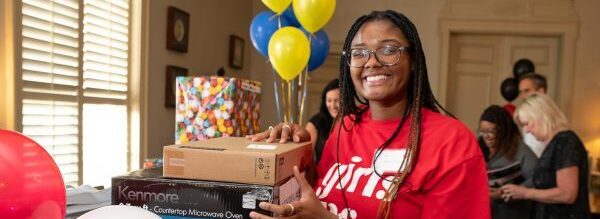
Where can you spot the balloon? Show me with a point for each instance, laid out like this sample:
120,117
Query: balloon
523,66
319,49
291,17
289,52
510,108
31,185
509,89
277,6
262,28
119,211
313,14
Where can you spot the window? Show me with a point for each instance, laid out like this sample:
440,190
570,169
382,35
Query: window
75,85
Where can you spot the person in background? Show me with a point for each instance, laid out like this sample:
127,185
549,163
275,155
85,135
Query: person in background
501,135
320,124
393,154
560,178
529,84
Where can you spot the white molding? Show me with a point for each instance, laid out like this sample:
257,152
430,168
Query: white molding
511,10
566,31
135,95
144,75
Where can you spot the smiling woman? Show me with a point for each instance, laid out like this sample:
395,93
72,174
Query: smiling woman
501,135
393,155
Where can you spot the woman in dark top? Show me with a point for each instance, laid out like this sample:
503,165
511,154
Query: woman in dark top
501,136
320,124
561,175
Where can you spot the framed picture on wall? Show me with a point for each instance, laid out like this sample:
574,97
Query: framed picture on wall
178,28
236,52
170,88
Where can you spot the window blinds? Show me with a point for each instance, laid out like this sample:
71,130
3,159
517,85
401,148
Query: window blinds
105,74
50,80
63,99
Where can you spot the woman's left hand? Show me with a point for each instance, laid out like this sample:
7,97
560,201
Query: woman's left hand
513,192
309,205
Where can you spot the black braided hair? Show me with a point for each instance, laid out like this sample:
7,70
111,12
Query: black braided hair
419,94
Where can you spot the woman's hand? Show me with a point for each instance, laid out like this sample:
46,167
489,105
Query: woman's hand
283,131
495,193
514,192
309,205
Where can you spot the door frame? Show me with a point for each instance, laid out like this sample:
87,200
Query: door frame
567,32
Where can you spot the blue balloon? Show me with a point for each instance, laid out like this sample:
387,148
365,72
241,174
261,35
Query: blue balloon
262,28
319,49
291,16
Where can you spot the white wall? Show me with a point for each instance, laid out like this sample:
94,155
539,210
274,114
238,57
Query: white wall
211,23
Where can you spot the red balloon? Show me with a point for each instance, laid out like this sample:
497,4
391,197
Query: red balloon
31,186
510,108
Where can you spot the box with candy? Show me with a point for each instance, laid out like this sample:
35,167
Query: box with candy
210,107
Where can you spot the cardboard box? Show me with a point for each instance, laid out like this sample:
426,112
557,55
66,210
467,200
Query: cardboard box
177,198
235,159
211,107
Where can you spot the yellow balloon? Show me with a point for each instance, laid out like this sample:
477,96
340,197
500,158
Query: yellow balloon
277,6
313,14
289,52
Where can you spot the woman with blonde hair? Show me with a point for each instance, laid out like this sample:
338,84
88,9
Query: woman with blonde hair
560,177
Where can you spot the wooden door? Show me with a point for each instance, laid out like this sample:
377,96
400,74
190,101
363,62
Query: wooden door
479,63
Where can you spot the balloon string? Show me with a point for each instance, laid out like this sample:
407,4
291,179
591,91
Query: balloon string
289,89
278,22
304,87
298,98
284,102
276,90
303,94
293,100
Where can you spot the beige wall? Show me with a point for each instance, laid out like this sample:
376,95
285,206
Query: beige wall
211,23
3,53
585,104
585,108
6,66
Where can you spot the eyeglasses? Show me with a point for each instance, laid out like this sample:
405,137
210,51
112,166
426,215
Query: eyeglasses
488,133
387,55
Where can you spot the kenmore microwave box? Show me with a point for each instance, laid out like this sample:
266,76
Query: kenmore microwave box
236,159
182,199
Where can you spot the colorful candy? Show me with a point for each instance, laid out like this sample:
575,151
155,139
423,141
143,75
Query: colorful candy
210,107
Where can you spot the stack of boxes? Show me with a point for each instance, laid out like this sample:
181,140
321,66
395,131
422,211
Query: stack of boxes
216,178
209,174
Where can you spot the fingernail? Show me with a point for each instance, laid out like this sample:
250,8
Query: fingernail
262,205
252,214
